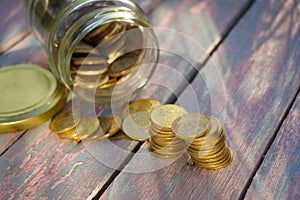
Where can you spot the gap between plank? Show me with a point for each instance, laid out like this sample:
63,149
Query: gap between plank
16,140
272,139
173,98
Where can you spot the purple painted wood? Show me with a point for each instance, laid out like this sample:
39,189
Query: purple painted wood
279,175
13,27
49,163
7,139
259,67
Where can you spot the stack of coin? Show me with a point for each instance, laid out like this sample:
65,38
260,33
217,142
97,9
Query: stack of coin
206,138
106,57
163,142
136,120
74,126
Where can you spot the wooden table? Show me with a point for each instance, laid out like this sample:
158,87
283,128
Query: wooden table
252,45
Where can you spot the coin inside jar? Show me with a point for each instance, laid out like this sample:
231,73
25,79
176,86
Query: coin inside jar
123,65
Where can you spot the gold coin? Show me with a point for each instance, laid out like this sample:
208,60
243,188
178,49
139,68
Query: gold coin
140,105
158,155
209,143
209,138
218,165
161,135
215,161
166,150
215,126
71,135
118,136
110,83
90,82
65,121
90,60
207,149
100,30
105,124
163,116
163,152
169,147
83,49
137,125
123,65
117,27
161,132
88,69
88,130
135,38
102,33
163,140
84,130
116,123
191,125
206,155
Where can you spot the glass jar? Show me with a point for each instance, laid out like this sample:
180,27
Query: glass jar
96,48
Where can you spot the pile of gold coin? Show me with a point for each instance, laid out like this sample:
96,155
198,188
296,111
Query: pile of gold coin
106,57
163,142
206,139
136,120
74,126
170,130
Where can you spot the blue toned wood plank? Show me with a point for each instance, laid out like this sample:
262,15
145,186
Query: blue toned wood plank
279,175
89,184
259,68
13,27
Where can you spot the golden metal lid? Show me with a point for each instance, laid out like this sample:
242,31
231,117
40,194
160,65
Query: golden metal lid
30,95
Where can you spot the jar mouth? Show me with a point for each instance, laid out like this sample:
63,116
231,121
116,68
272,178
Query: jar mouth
110,37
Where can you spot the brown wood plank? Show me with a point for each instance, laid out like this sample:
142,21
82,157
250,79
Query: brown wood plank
259,66
278,176
13,27
95,174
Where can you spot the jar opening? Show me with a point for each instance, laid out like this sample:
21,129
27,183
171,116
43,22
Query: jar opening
114,57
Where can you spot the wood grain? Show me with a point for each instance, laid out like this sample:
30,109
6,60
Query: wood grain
279,175
259,66
13,27
32,150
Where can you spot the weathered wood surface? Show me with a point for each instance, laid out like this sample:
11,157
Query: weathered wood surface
13,27
55,170
279,176
259,66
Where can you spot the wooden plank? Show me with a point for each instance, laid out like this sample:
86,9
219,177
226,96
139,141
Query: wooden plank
278,176
40,178
8,139
13,27
258,64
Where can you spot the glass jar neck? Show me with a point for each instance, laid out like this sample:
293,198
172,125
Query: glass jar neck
62,42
